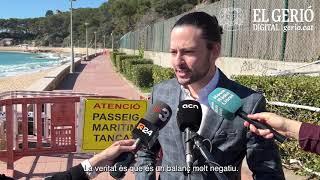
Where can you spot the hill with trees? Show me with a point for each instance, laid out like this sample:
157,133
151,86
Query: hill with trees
117,16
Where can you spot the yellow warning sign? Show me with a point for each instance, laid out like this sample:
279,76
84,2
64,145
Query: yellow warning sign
109,120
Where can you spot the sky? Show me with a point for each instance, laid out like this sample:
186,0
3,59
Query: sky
38,8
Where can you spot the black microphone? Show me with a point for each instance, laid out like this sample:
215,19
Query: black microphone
227,104
145,133
189,116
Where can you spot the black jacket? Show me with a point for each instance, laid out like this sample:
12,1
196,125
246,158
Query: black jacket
75,172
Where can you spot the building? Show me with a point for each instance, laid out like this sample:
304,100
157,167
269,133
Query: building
6,42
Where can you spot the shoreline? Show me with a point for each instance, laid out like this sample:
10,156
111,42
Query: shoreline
77,50
14,51
45,79
22,82
58,57
11,49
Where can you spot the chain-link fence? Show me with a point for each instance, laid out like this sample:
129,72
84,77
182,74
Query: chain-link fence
263,29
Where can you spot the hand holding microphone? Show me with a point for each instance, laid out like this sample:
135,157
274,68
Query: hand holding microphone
284,126
108,155
227,104
145,133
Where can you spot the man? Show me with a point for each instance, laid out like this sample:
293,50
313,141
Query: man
195,45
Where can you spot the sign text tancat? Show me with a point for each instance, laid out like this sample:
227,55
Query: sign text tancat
109,120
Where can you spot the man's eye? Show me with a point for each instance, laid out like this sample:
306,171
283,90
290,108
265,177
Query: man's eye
189,52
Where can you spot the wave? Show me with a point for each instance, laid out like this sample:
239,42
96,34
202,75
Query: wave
51,56
25,68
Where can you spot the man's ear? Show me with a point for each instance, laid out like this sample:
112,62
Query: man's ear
215,50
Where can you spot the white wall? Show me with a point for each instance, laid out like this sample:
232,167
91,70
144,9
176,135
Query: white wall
237,66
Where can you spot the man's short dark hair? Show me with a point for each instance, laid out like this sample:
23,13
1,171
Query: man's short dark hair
211,31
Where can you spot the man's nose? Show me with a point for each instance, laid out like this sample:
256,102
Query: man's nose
178,59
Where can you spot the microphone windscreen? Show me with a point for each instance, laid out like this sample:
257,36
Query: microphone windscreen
158,114
224,102
189,115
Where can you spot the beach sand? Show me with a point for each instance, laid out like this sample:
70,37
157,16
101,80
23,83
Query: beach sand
21,82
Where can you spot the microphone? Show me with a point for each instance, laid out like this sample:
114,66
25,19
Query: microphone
189,116
145,132
189,119
227,104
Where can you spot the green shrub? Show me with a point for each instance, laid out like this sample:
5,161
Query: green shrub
125,64
160,73
302,90
120,58
129,63
113,56
142,75
141,49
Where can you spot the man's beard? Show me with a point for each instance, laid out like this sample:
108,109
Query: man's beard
195,76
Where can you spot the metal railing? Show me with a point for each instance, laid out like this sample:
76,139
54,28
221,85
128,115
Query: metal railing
51,129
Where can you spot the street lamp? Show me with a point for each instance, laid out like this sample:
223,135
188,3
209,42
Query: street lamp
71,45
95,43
87,56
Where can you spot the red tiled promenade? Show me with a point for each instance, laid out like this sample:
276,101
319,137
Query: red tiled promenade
98,76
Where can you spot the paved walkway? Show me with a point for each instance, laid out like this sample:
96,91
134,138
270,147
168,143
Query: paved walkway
96,76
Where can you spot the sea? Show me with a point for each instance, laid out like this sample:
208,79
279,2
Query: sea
18,63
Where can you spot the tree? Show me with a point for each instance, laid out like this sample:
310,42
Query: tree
170,8
117,16
49,13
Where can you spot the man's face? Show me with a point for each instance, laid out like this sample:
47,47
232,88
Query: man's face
190,57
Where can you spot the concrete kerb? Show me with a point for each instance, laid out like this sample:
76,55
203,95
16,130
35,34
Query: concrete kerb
54,77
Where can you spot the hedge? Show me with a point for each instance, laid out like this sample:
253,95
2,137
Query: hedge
120,58
141,71
113,56
129,63
146,75
160,73
302,90
142,75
